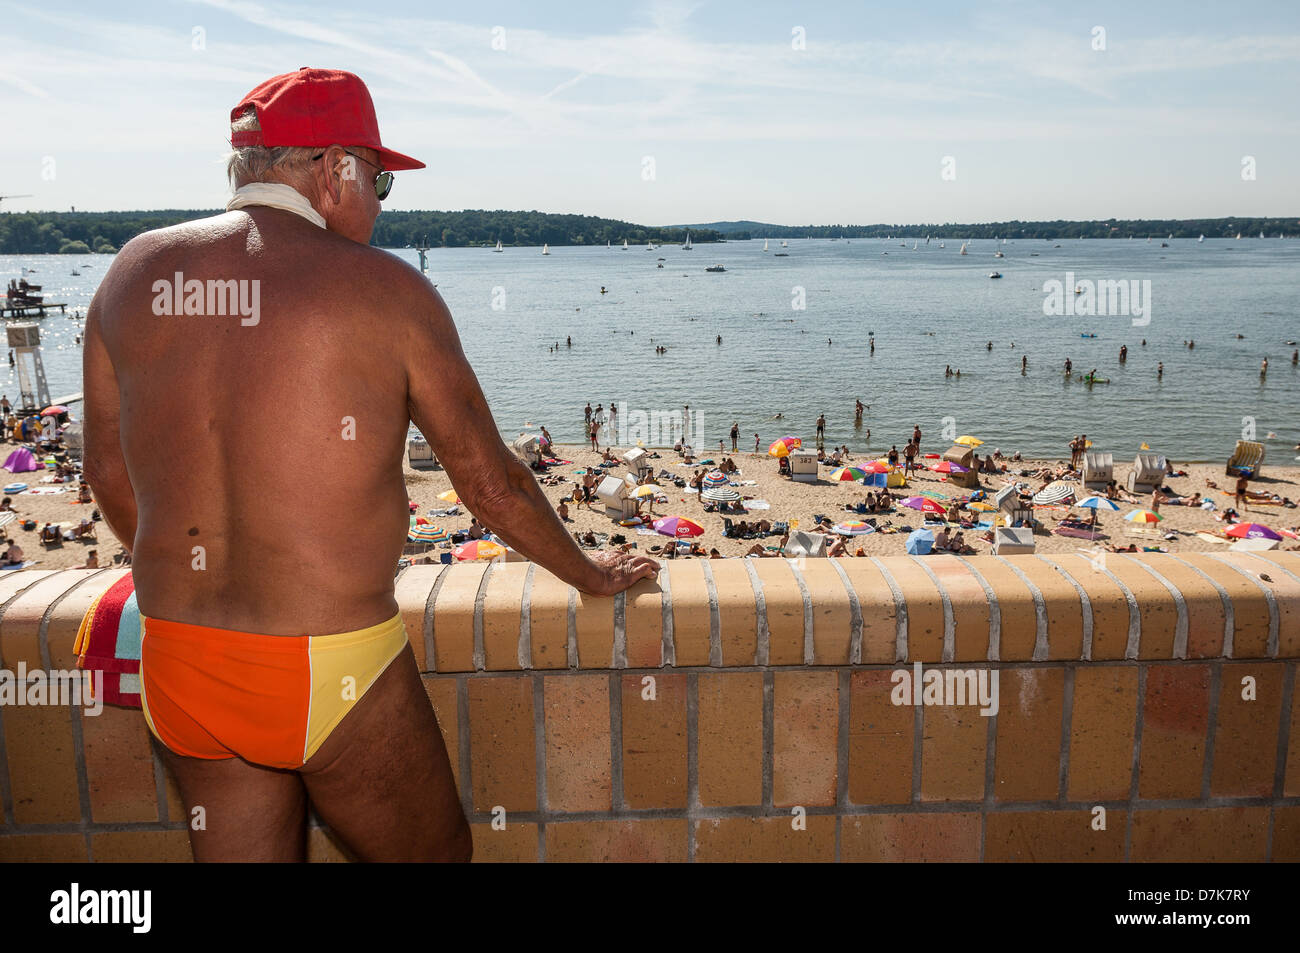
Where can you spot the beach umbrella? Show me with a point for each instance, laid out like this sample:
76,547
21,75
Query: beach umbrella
782,447
947,466
478,549
924,504
1252,531
848,475
720,494
879,466
450,496
647,489
426,533
1055,493
54,410
853,528
919,542
714,478
1097,503
968,441
981,507
677,526
1143,516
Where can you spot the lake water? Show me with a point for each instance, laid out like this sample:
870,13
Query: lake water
927,307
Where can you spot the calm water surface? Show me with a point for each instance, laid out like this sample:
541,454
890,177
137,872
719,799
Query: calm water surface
928,308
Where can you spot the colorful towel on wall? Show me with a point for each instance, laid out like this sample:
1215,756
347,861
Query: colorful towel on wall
109,641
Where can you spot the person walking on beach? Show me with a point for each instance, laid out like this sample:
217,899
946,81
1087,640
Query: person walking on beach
5,406
1075,446
1239,494
735,435
229,654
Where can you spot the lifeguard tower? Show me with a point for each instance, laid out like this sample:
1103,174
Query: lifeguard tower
33,391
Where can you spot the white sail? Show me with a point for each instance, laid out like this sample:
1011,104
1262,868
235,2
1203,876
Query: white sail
546,249
783,244
1201,239
963,248
498,248
687,246
765,244
625,244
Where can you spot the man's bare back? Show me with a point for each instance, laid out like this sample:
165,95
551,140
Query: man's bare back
274,447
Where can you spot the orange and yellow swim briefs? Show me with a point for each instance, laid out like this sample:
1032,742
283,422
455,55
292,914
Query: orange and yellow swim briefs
269,699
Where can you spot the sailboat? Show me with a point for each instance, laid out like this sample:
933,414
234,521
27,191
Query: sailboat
913,246
1261,234
941,245
765,244
998,254
1238,236
1201,239
927,239
783,244
498,248
546,249
1004,241
963,248
625,244
687,246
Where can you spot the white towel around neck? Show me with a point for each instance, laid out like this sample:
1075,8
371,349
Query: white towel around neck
275,195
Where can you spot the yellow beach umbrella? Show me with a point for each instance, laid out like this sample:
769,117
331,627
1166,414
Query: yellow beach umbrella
968,441
648,489
450,496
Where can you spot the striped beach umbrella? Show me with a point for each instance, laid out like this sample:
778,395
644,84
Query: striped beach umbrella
853,528
1097,503
1055,493
714,478
1143,516
782,447
678,526
847,475
478,549
427,533
720,494
1252,531
878,466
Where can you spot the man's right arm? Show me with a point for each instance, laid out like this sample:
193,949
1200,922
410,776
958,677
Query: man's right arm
446,403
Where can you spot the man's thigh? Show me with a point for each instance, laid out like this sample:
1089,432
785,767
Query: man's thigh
238,811
382,780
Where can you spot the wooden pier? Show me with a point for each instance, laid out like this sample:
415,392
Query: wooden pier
9,309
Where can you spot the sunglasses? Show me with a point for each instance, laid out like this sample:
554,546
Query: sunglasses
383,181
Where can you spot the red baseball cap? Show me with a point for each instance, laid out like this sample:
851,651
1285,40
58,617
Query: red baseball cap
316,107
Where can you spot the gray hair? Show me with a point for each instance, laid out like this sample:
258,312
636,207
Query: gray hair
256,163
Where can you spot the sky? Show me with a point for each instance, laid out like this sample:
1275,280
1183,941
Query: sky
675,112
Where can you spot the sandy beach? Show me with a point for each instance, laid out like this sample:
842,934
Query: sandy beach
787,501
790,501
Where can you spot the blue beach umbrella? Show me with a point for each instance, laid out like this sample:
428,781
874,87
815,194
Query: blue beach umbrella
919,542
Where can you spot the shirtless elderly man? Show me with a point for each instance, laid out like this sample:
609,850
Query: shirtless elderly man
253,633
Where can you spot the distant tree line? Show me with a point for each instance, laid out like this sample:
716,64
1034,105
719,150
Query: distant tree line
23,233
1113,228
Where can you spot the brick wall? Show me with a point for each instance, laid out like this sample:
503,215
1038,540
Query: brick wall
741,709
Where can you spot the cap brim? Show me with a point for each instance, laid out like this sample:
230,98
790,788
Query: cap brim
396,162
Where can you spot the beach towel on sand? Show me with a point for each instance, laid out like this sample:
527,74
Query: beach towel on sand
109,641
